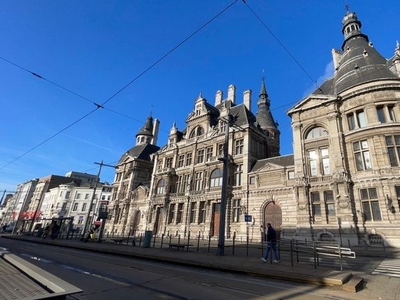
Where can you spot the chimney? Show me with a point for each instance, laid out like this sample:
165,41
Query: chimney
218,98
156,126
231,93
247,99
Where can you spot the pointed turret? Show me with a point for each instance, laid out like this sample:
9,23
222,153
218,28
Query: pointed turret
264,116
267,123
145,134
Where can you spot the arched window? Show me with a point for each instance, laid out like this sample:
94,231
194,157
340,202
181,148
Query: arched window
198,131
216,178
161,186
316,132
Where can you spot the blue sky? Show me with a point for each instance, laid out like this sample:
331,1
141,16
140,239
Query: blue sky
96,48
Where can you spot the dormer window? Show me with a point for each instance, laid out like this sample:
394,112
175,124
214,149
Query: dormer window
198,131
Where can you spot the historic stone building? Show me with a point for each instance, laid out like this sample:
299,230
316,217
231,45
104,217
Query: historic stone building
342,182
346,147
185,192
132,178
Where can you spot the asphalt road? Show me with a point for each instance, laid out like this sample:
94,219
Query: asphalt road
113,277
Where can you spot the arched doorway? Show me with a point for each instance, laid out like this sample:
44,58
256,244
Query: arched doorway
273,215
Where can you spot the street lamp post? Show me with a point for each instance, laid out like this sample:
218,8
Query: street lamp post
224,192
101,164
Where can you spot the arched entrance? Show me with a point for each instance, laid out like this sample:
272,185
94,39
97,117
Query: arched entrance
273,215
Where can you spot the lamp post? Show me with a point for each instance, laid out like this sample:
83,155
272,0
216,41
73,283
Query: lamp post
224,192
101,164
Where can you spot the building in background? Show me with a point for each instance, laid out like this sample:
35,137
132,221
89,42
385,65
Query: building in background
16,209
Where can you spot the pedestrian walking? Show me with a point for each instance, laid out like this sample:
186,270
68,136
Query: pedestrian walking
46,232
271,244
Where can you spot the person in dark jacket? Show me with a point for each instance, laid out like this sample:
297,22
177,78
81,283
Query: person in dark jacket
271,244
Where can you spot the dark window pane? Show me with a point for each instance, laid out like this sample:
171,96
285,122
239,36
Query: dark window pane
376,212
366,211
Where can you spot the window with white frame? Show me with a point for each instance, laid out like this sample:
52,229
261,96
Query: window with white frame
188,159
75,207
199,181
239,147
209,152
356,120
238,175
235,210
200,156
385,113
329,204
362,156
181,160
220,150
216,178
319,162
161,186
316,204
192,212
84,206
179,185
168,162
77,195
370,204
393,149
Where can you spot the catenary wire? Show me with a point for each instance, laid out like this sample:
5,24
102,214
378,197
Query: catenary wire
282,45
119,91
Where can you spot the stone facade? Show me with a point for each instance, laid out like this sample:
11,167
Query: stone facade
342,183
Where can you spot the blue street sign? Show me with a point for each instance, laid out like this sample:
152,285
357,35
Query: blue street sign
247,218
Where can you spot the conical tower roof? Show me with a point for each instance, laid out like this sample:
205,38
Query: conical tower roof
264,115
147,128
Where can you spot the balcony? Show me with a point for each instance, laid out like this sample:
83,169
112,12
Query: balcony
168,171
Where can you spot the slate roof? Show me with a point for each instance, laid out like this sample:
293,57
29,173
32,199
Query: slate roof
284,161
142,151
360,62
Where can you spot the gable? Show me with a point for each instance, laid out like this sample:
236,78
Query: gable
312,101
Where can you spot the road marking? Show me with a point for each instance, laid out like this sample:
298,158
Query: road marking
388,267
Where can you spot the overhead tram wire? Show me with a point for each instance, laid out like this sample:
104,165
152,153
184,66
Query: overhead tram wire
283,46
49,138
49,81
170,51
115,94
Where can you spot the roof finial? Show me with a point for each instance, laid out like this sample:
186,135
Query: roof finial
263,75
346,5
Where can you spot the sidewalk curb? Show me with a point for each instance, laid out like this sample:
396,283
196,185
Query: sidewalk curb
330,278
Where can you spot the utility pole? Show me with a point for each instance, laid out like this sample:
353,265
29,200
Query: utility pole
224,192
101,164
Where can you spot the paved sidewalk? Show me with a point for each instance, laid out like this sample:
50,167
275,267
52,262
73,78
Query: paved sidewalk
376,287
